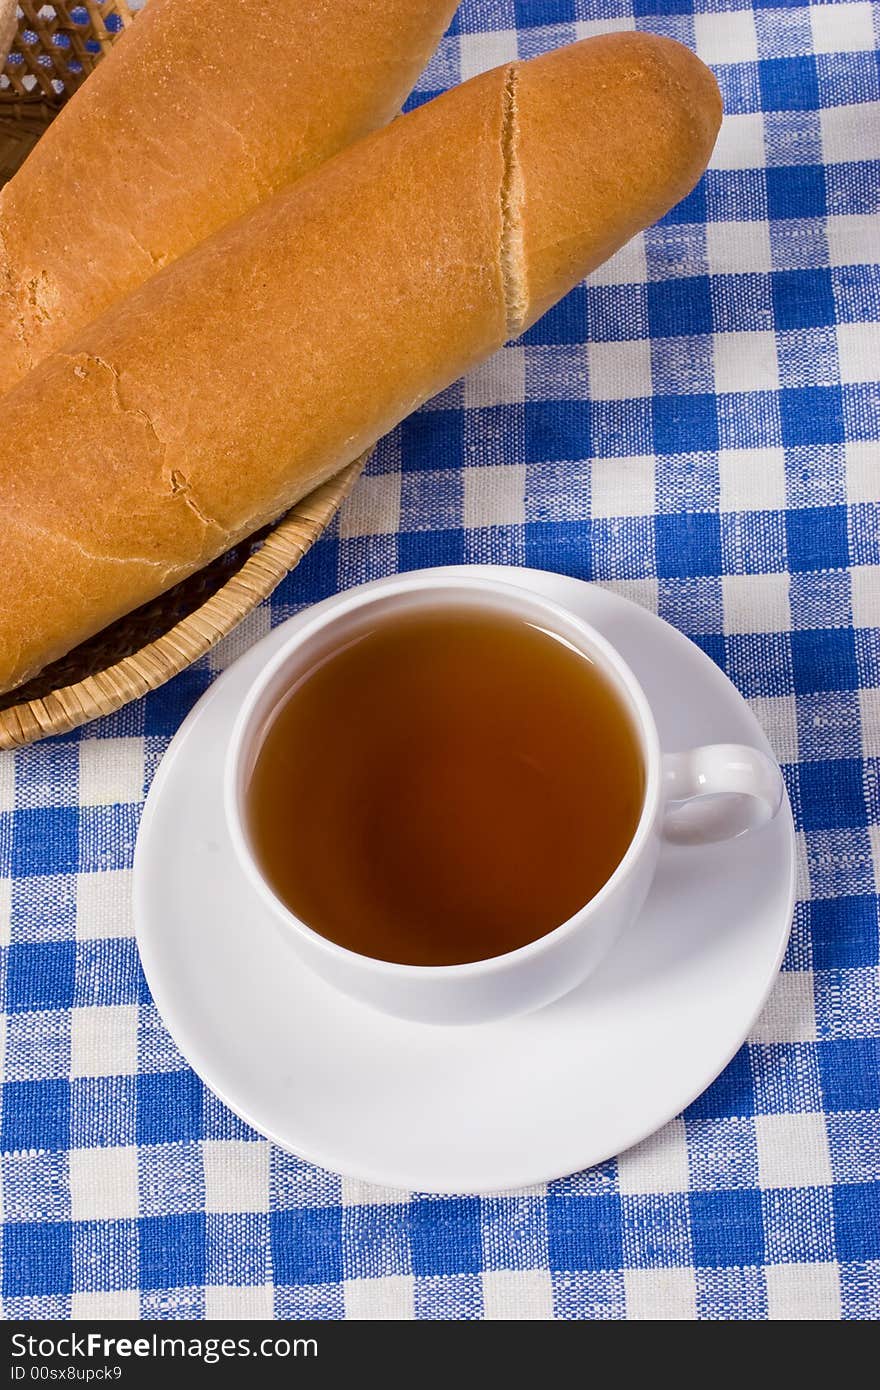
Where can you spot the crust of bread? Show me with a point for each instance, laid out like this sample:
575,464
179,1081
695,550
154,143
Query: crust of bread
246,373
195,116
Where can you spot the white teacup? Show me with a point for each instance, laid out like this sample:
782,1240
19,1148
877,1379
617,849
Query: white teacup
699,796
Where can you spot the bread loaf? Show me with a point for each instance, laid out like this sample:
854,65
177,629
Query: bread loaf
246,373
197,114
8,27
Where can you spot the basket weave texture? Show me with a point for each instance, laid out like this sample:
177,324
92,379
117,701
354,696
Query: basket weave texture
56,47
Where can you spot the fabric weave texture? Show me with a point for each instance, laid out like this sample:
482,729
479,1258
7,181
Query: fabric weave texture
697,428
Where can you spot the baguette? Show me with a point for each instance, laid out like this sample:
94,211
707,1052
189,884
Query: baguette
197,114
245,374
8,26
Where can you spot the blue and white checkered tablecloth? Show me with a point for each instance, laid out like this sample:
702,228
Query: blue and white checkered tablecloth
695,428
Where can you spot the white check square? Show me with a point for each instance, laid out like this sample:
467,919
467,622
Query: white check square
373,509
5,911
660,1295
106,1305
862,472
644,592
7,781
240,1303
777,716
622,486
869,710
619,371
738,248
104,1040
745,362
756,603
790,1013
658,1164
842,28
517,1295
850,132
740,143
104,1184
494,496
103,905
752,480
803,1292
356,1193
728,37
858,352
853,240
865,595
499,381
479,52
389,1299
236,1175
793,1150
111,770
591,28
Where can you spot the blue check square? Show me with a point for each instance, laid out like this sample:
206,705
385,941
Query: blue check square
812,415
556,430
306,1245
817,538
688,544
45,841
857,1223
691,208
432,439
40,975
850,1072
824,659
565,547
36,1114
789,84
680,306
584,1233
566,322
832,794
172,1250
727,1228
802,298
37,1259
685,424
796,191
731,1094
845,931
418,550
169,1107
445,1236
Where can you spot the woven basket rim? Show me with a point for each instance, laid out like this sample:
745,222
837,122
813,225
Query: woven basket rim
189,639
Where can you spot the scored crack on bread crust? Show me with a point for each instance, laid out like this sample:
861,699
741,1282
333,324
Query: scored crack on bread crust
245,374
196,115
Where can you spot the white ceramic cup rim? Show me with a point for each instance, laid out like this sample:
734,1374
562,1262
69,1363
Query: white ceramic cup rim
591,642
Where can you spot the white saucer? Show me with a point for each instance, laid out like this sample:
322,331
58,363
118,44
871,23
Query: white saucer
478,1108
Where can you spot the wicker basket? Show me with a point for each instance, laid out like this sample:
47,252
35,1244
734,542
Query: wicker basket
56,48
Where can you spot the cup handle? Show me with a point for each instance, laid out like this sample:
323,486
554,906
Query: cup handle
718,792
